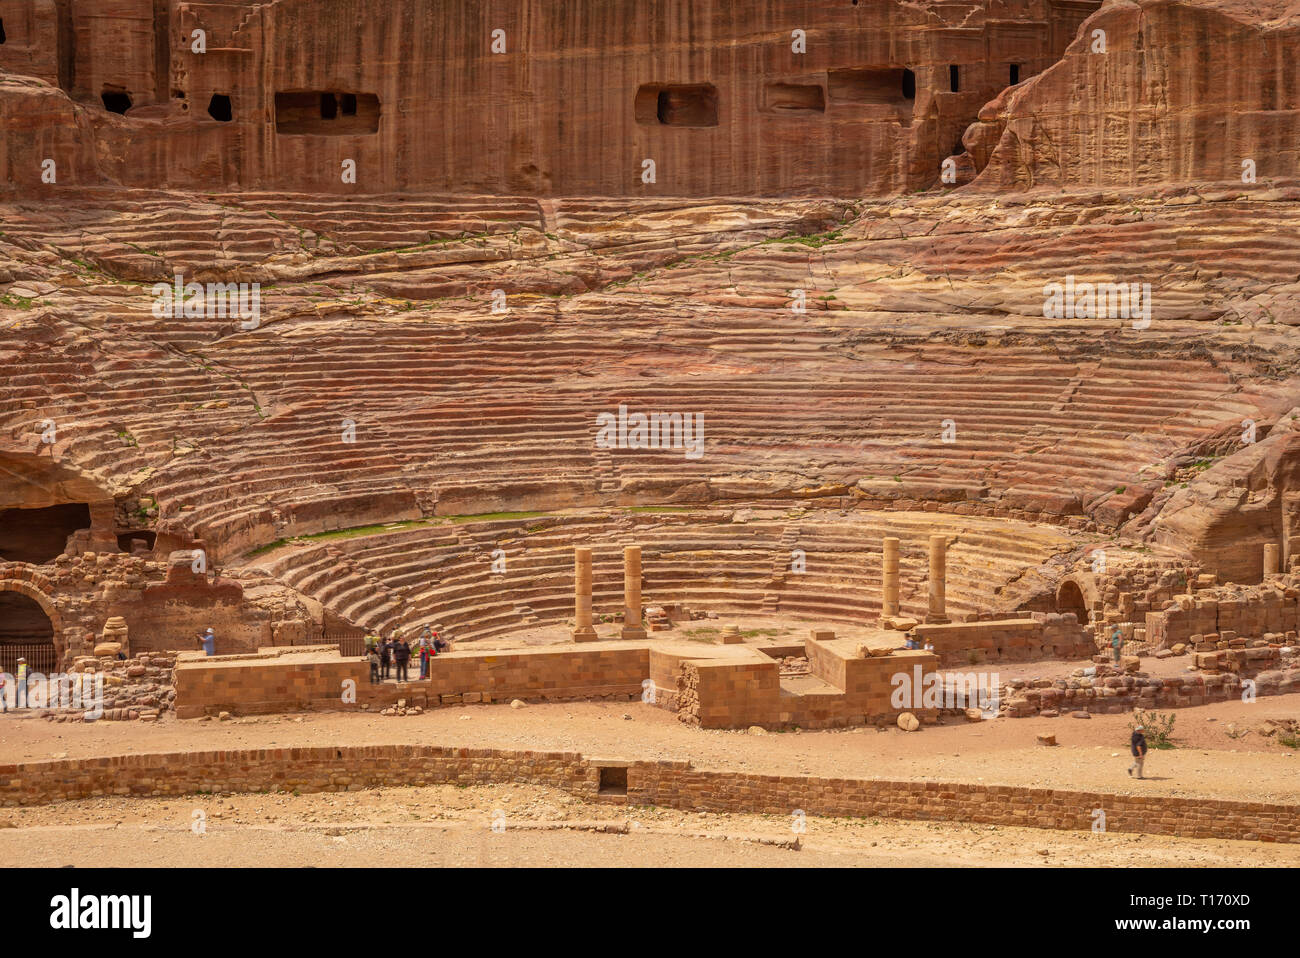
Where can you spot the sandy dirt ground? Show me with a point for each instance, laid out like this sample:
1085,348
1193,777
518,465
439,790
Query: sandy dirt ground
540,827
1092,754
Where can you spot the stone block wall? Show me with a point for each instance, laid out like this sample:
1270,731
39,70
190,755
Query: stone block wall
1116,694
729,693
855,689
289,679
250,685
1245,612
1043,636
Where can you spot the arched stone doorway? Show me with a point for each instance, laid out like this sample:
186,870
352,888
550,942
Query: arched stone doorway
25,630
1069,598
29,627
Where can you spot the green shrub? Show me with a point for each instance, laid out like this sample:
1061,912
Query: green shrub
1157,726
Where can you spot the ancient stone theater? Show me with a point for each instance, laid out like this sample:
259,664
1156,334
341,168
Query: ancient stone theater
760,366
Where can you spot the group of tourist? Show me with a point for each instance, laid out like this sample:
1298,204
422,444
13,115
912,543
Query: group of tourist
394,653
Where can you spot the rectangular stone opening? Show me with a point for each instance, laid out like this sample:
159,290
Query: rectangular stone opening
869,85
2,30
954,78
613,780
326,113
796,98
677,105
1014,74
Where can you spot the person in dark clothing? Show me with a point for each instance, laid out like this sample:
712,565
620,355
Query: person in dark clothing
386,656
440,644
372,656
402,655
1138,746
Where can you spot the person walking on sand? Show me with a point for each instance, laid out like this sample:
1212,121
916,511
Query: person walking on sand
1138,746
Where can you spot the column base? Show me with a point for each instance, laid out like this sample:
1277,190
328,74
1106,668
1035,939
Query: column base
631,632
585,635
932,619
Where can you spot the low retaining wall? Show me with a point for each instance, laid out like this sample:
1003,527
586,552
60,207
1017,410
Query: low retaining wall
667,784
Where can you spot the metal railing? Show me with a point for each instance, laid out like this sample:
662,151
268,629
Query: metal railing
40,657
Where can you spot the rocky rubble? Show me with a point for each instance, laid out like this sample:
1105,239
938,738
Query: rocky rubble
1104,689
140,688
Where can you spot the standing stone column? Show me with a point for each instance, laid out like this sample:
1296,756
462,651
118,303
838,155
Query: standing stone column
1271,554
632,593
582,629
938,573
889,566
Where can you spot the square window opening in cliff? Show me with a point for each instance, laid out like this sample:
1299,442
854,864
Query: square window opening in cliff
954,78
870,85
326,113
677,105
794,98
1015,73
116,100
613,780
219,108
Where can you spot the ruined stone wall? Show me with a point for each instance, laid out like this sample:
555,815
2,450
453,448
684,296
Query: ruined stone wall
164,604
1120,694
1233,614
667,784
1049,635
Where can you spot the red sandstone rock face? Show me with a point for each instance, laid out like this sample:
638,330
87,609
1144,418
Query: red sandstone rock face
1241,501
725,97
1185,90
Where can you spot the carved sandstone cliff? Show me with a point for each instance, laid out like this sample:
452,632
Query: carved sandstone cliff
571,97
1185,90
